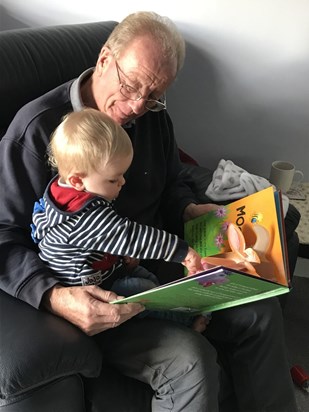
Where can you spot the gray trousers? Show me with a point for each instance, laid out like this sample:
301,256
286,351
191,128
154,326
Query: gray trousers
180,364
255,372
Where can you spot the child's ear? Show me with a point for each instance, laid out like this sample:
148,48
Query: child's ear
76,181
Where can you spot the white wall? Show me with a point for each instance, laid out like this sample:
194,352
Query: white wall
244,91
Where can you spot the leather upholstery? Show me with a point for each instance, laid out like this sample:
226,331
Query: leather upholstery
42,345
36,60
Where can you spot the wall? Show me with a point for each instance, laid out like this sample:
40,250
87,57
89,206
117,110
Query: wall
244,91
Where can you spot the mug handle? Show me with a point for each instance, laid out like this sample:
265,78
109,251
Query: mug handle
297,179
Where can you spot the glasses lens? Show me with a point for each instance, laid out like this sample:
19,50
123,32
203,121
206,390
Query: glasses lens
156,105
129,92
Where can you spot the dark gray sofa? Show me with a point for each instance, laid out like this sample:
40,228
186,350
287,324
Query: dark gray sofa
47,364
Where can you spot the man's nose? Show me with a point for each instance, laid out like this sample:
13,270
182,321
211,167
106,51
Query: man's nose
137,106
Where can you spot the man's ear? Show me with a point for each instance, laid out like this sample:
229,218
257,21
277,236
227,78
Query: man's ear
76,181
104,58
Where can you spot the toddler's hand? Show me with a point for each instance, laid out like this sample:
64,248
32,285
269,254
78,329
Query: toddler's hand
193,262
129,262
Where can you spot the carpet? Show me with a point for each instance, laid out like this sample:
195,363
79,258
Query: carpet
296,324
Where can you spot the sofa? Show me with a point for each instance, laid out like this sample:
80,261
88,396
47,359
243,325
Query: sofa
46,363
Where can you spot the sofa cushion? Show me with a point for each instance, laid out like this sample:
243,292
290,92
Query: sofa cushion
64,394
29,336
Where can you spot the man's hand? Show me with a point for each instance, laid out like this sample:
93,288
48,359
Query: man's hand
88,307
193,210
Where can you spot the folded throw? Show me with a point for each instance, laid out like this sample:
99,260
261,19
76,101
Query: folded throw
230,181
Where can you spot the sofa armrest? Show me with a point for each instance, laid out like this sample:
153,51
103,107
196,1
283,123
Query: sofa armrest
38,347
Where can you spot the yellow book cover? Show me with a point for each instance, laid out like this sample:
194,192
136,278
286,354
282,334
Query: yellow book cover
258,247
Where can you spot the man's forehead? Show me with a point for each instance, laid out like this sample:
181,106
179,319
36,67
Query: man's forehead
136,75
138,72
143,57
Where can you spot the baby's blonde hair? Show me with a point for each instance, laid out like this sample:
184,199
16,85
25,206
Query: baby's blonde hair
85,140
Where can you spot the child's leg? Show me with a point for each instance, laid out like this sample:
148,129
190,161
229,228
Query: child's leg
128,286
139,280
143,273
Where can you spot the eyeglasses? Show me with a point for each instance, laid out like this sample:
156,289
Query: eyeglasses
131,93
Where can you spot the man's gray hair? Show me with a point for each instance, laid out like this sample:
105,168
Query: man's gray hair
161,28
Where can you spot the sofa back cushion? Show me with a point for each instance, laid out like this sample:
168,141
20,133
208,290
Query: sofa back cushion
35,60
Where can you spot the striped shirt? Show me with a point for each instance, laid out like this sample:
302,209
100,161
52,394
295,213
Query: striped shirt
72,243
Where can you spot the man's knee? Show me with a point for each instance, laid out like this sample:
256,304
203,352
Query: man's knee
256,317
193,352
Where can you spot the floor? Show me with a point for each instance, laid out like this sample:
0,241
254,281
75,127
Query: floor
296,327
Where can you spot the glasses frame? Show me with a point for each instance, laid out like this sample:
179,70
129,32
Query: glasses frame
158,104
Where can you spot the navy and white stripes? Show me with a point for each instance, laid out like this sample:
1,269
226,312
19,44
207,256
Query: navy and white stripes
71,242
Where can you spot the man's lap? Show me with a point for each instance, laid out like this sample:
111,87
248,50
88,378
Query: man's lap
149,337
178,363
249,343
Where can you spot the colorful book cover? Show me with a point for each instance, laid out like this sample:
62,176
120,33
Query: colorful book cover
244,246
259,243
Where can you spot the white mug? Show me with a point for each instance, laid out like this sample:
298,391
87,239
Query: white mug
284,176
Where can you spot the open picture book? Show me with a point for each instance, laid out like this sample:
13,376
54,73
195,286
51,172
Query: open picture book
244,247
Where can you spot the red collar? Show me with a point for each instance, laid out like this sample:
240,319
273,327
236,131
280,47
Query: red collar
68,199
